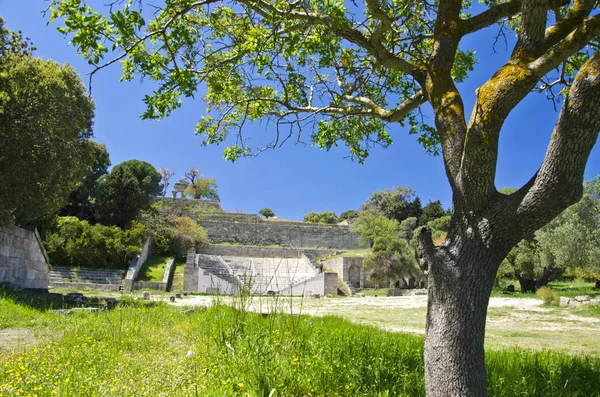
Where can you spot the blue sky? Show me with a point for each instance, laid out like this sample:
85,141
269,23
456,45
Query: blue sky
296,178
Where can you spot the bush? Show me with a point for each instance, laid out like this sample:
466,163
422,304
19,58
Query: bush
173,235
77,243
548,295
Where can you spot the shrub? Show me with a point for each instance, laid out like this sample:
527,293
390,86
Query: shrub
77,243
548,295
173,235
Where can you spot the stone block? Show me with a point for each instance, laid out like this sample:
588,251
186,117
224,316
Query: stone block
564,301
582,298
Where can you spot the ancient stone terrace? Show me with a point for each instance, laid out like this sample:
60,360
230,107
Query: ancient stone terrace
84,278
260,274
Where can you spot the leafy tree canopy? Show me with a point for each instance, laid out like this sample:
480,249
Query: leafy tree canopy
433,210
84,200
122,198
348,215
45,127
147,176
321,217
397,204
200,187
77,243
267,212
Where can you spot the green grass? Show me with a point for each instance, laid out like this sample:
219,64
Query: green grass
356,253
141,349
177,283
153,269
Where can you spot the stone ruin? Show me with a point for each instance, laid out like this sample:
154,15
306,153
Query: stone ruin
179,187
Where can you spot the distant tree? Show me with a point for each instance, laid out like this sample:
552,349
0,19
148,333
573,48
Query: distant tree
147,176
173,235
407,227
431,211
191,175
84,200
391,258
45,127
371,225
202,188
122,198
267,212
165,176
348,215
321,217
571,241
397,204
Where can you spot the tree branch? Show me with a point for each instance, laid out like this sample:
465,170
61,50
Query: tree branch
352,35
490,16
559,182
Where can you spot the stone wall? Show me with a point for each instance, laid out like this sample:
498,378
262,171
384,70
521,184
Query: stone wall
292,234
351,271
257,251
137,263
188,204
23,258
321,284
149,285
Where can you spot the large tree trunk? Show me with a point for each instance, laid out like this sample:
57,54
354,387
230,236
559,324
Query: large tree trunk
461,277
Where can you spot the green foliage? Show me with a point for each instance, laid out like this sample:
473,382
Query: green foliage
85,199
173,235
122,198
267,212
77,243
321,217
45,127
348,215
153,269
391,258
433,210
397,204
570,241
13,43
370,225
548,295
236,353
203,188
287,59
147,176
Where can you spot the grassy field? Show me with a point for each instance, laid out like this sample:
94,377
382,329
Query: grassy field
150,348
153,269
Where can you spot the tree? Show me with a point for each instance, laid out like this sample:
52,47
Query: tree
147,176
122,198
431,211
353,71
165,176
45,127
370,225
348,215
84,200
173,235
570,241
397,204
191,175
391,258
321,217
202,188
267,212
